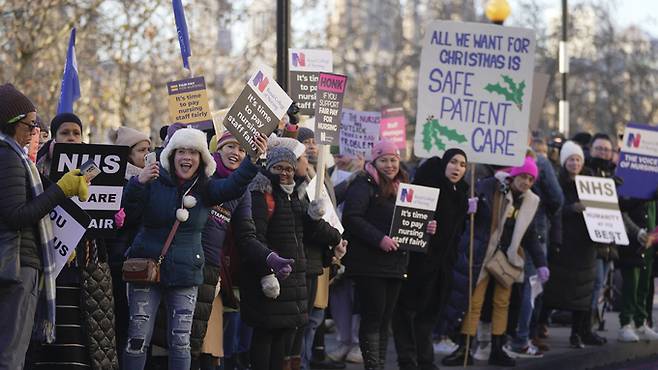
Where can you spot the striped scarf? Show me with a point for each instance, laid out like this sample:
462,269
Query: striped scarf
46,237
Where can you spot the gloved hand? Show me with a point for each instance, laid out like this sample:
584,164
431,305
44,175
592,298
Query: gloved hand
543,273
388,245
340,249
316,209
643,237
120,218
472,205
431,227
270,286
280,266
72,184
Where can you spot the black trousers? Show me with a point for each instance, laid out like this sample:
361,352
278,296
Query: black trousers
414,318
269,347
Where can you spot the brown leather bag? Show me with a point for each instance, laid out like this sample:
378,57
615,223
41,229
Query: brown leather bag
502,270
147,270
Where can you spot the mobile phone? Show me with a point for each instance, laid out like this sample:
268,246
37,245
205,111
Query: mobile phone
149,159
89,170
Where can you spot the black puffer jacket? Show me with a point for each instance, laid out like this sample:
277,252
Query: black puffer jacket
573,264
284,232
636,216
20,212
367,218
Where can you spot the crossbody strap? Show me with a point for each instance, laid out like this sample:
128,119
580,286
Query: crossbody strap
167,243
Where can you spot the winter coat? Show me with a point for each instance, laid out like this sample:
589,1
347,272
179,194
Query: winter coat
573,263
20,211
549,191
367,218
603,168
284,231
524,236
635,214
156,203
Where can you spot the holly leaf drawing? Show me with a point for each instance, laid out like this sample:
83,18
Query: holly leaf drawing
452,134
434,133
513,92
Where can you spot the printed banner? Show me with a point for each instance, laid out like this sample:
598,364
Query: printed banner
638,162
602,215
106,189
259,108
474,91
188,103
331,90
414,209
358,132
70,223
330,214
305,67
393,127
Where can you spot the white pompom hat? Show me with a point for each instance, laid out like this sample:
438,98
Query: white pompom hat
189,138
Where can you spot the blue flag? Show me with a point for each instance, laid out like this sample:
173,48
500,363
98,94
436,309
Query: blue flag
70,82
183,36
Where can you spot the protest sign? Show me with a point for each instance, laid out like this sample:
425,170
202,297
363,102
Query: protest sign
602,215
393,127
474,90
258,110
106,189
638,162
329,102
305,67
70,223
414,209
188,103
330,214
358,132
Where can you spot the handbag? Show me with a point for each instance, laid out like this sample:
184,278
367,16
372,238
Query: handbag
502,270
147,270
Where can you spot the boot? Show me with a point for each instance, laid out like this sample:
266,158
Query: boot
369,344
588,336
286,365
243,362
295,363
457,357
498,356
383,346
230,363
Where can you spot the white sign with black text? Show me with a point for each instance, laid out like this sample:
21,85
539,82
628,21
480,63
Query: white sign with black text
69,226
602,215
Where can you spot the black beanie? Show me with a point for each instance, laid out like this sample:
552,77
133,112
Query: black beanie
61,118
13,103
305,133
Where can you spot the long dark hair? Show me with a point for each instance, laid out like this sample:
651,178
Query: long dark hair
387,187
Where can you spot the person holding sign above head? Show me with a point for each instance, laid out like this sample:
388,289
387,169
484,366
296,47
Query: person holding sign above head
25,231
573,264
374,261
504,230
173,200
273,304
430,273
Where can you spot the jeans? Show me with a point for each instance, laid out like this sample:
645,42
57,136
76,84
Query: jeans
525,314
314,321
143,301
18,304
602,270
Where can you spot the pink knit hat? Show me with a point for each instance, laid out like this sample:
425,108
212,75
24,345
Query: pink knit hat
383,148
529,166
227,137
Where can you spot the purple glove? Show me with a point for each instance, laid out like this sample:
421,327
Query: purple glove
120,218
543,273
282,267
472,205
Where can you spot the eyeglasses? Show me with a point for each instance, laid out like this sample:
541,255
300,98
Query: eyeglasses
281,169
602,149
33,126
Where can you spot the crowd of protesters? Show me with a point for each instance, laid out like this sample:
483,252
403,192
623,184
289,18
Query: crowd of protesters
253,270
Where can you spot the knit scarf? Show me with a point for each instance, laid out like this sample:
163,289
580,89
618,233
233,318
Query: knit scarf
222,171
46,237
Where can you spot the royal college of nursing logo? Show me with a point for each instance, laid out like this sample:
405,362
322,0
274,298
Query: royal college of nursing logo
298,59
633,140
407,195
260,81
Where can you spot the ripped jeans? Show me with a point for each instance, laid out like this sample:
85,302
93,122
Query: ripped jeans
144,301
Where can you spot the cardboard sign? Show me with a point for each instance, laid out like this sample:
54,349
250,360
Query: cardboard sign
329,102
305,67
106,189
602,215
259,108
474,91
330,214
393,127
414,209
188,103
70,223
638,162
359,132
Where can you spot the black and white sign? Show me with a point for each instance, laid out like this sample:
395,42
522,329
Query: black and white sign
328,105
105,190
305,67
414,209
602,215
69,226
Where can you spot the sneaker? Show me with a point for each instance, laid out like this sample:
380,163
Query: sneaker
354,356
339,353
627,334
482,351
528,351
576,342
644,332
445,347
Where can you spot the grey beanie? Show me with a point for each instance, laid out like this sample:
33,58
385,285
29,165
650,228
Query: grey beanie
305,133
280,154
